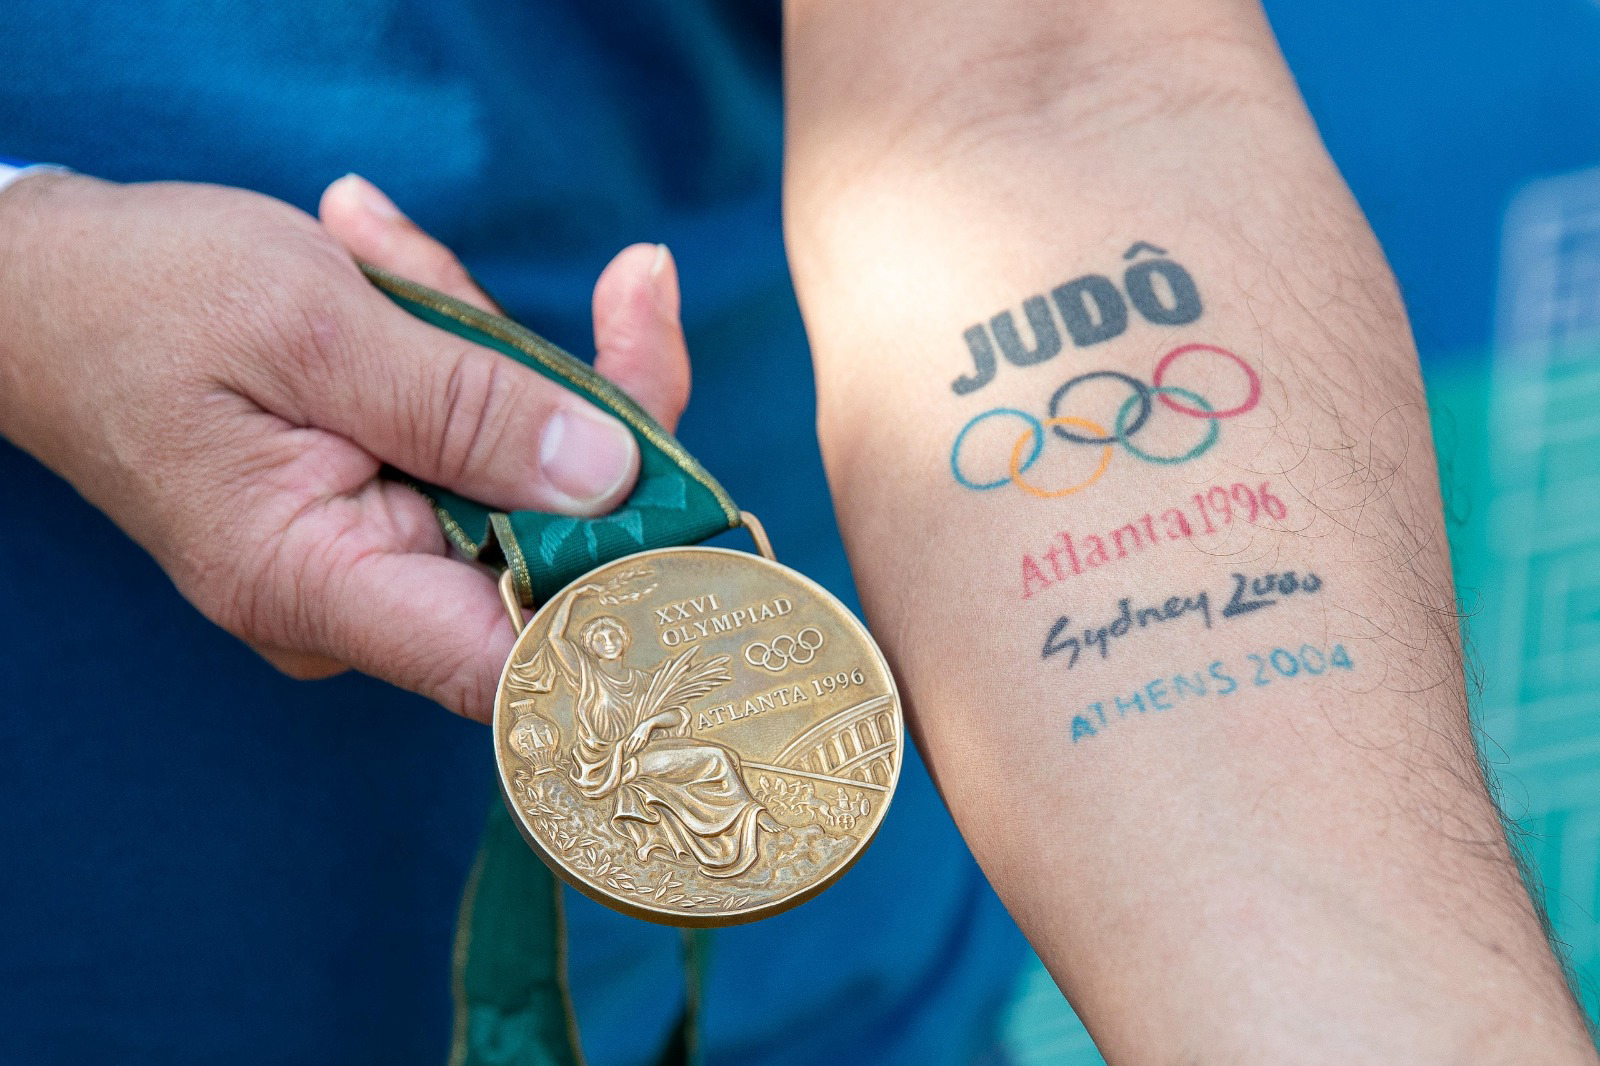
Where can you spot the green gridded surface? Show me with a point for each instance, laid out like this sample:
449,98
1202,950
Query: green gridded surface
1519,451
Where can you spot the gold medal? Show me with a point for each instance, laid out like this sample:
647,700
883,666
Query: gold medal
693,736
697,736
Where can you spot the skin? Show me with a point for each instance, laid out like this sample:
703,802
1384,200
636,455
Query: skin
1307,872
208,367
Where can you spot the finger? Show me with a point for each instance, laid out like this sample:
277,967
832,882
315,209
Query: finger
373,229
300,665
637,332
445,410
347,590
430,624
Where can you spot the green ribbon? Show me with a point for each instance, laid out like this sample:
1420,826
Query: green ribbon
510,983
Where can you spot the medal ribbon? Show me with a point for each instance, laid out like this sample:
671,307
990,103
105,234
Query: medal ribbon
509,964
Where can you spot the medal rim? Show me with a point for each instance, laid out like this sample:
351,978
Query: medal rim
677,918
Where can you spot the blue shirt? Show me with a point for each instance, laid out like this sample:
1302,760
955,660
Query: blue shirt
208,862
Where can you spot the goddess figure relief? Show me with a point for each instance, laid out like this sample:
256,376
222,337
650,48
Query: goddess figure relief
672,792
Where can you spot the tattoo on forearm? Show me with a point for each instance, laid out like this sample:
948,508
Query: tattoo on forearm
1002,461
1204,514
1097,412
1091,308
1266,590
1000,464
1217,680
1249,595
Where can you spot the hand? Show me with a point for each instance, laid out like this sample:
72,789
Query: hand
209,367
636,740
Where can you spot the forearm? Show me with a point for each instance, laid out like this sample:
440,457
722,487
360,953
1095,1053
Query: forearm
1276,855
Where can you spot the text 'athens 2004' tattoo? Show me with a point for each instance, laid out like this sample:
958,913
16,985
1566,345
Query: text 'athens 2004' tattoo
1091,308
1217,680
1249,595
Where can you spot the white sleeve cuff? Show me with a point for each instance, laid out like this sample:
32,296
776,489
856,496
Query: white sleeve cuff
11,175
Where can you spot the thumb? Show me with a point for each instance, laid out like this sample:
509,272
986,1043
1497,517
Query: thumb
445,410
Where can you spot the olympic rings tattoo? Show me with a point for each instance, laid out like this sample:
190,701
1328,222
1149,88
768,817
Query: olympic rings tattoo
1056,424
1141,393
1204,446
1250,400
777,656
1131,417
1038,445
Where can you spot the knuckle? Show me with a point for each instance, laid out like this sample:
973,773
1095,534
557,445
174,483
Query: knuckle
306,325
459,685
290,303
234,603
452,669
473,419
266,596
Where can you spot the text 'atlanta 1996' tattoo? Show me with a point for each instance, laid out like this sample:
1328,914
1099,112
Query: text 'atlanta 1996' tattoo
1091,308
1218,680
1249,595
1215,509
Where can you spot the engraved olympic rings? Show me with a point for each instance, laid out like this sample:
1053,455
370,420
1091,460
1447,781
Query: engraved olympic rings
777,656
1131,417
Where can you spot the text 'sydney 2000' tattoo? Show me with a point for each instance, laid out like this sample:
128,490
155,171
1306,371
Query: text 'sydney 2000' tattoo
1248,596
1216,681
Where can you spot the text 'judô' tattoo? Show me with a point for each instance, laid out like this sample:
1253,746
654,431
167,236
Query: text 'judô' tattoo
1091,308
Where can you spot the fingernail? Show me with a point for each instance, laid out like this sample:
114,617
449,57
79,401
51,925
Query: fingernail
664,284
371,199
586,455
